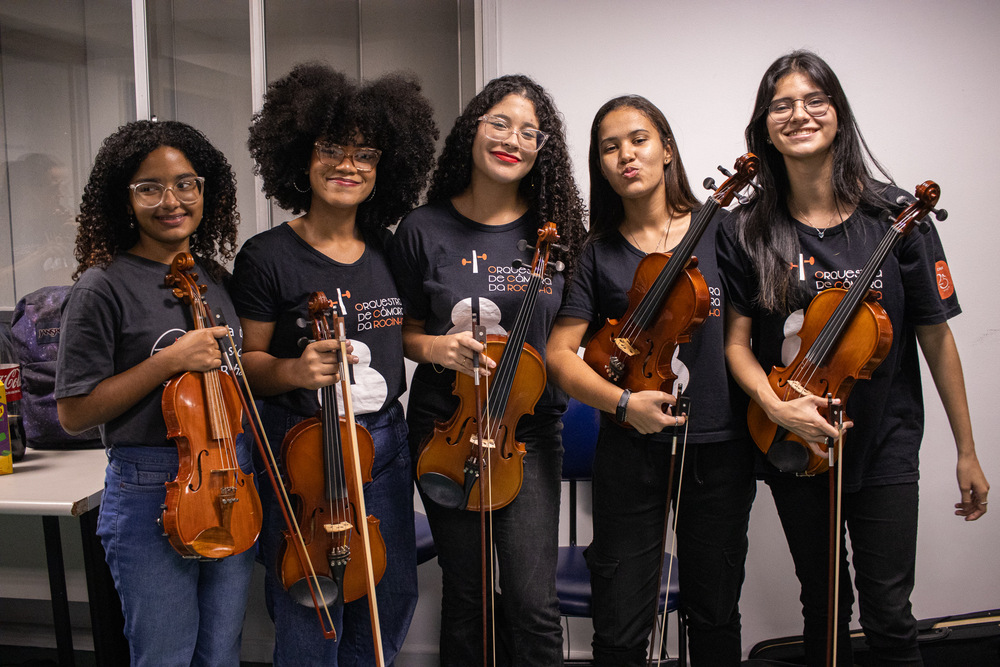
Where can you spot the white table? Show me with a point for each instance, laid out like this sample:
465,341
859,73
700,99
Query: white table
54,483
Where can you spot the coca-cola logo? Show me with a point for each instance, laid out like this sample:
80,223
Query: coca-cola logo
10,375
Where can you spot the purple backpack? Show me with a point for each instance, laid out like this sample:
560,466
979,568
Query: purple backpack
35,332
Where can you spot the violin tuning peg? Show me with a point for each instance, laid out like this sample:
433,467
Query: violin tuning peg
924,225
558,266
561,248
517,264
903,200
522,245
301,323
303,342
725,172
886,216
940,213
709,183
743,200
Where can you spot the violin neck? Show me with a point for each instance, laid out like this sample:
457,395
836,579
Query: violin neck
650,305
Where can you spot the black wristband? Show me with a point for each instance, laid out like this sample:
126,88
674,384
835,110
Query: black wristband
622,406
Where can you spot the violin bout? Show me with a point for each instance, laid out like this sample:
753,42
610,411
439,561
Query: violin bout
859,350
212,509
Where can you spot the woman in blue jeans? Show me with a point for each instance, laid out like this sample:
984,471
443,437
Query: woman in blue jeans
156,189
351,159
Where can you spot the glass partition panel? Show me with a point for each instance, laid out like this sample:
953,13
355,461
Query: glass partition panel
199,73
66,82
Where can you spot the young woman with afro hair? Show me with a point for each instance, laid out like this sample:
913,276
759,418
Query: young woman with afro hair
504,172
156,189
351,159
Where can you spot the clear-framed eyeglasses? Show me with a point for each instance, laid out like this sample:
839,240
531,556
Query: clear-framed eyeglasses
362,157
499,128
816,105
150,194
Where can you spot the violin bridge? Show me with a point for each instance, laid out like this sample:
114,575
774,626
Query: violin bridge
488,443
625,346
799,387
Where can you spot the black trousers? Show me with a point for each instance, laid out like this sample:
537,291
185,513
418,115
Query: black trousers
882,521
630,487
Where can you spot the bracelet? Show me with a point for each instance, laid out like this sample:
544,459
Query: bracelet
622,406
430,355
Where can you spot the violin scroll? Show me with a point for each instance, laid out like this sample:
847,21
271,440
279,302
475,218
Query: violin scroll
746,168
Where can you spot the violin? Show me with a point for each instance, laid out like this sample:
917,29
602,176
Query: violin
327,458
448,465
668,300
845,336
211,509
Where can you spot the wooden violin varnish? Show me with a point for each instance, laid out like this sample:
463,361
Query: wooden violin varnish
6,460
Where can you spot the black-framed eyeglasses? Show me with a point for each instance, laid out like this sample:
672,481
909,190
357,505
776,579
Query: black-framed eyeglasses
150,194
816,105
499,128
363,158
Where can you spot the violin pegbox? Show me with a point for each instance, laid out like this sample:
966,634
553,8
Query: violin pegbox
746,168
917,210
548,239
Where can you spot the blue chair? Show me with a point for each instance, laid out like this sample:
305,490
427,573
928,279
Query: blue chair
580,426
425,541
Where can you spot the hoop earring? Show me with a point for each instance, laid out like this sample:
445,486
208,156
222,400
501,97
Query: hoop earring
131,219
298,189
371,195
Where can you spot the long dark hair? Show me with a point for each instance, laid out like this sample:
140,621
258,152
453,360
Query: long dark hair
606,208
765,228
105,230
548,188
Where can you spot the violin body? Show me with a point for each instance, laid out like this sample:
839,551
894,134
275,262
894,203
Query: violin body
212,509
447,449
303,454
645,355
859,350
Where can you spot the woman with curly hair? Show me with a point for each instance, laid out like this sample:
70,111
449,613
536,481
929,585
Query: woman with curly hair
820,200
641,203
504,172
352,158
156,189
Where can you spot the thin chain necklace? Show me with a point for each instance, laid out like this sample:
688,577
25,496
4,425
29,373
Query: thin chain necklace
820,231
666,230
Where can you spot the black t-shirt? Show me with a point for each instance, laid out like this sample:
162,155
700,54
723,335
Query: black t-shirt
913,286
117,317
441,259
599,293
274,275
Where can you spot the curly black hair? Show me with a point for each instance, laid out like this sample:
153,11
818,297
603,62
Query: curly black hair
314,101
549,187
104,221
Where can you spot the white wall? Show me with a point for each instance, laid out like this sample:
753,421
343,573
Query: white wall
921,77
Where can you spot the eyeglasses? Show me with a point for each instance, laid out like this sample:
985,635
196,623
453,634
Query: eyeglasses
150,194
499,128
363,159
815,105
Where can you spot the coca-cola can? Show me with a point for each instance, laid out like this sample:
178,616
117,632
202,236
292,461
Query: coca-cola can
10,375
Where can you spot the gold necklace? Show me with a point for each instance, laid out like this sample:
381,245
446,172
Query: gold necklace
666,230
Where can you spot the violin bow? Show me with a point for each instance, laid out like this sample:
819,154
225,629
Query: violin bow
479,333
835,450
683,407
270,466
357,492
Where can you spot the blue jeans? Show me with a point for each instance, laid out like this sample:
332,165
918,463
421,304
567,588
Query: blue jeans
389,497
177,611
882,521
526,540
630,501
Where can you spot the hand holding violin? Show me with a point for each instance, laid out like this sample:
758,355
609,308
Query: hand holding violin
197,350
651,411
457,352
318,365
802,417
